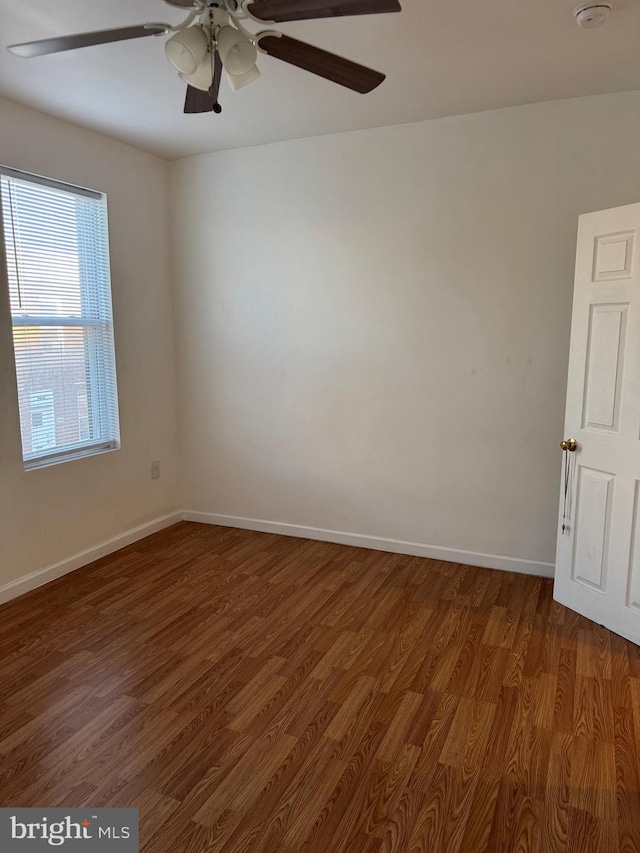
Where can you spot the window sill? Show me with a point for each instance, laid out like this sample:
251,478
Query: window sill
70,455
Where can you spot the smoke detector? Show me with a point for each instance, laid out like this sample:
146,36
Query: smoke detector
589,15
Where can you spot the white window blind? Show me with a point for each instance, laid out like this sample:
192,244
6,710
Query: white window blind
57,260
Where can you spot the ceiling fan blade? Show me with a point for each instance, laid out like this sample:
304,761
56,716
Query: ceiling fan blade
320,62
300,10
197,101
214,91
62,43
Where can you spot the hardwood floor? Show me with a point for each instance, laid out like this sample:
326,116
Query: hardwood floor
251,692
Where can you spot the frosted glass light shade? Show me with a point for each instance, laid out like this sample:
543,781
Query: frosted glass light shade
237,81
203,76
237,53
186,49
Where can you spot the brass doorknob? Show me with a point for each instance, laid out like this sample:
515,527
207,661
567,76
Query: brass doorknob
569,444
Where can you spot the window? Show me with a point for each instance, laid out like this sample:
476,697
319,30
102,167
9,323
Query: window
57,260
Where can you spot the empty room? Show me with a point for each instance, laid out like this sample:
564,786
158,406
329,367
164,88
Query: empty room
320,426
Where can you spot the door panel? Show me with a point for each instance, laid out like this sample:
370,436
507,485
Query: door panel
593,527
613,256
633,594
598,557
605,366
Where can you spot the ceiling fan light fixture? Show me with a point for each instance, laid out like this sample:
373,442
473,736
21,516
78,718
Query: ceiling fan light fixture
203,76
186,49
238,81
237,52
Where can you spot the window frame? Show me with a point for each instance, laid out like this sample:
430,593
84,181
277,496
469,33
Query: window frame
98,400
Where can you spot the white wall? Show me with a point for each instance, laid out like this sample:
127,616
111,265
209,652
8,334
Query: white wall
49,514
373,327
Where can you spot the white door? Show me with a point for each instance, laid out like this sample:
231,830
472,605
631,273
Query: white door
598,557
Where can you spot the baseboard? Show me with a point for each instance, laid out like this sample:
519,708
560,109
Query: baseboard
42,576
377,543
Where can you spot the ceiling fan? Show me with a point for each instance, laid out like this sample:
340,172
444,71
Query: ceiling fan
214,39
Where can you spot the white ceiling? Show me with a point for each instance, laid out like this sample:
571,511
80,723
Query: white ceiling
442,57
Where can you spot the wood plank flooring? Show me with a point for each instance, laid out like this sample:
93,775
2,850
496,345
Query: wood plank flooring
250,692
